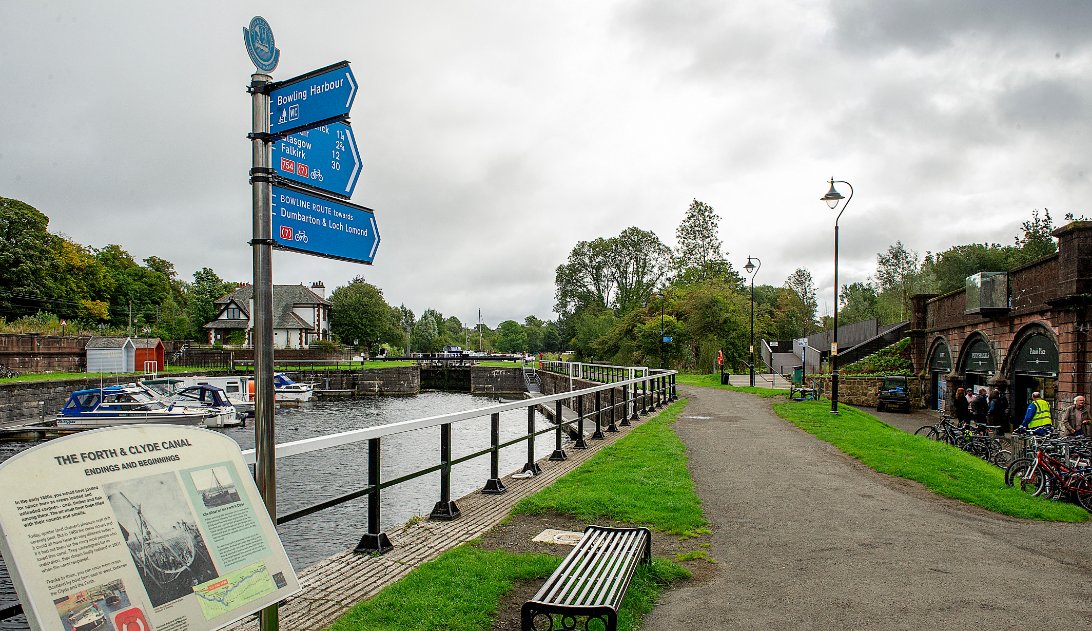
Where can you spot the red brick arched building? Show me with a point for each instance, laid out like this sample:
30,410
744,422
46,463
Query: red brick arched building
1023,331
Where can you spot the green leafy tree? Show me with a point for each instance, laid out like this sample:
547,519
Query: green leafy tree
699,254
584,280
1036,241
898,274
427,332
511,338
359,315
202,294
27,261
638,262
858,302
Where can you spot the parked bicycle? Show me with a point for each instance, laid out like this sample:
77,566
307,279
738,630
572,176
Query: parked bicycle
974,438
1060,468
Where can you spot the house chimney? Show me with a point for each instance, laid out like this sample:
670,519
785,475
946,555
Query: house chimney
319,289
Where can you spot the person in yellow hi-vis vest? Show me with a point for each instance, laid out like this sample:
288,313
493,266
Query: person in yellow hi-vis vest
1037,418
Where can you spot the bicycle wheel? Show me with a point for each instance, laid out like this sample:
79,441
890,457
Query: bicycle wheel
1001,458
928,431
1016,467
1026,477
1082,488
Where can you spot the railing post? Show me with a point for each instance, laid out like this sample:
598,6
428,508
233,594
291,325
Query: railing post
445,509
625,405
598,435
674,388
559,453
375,541
493,485
580,444
644,396
613,410
531,466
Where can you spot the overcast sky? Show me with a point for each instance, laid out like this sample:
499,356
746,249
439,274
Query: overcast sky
495,135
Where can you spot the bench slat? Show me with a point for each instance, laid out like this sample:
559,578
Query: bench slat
593,579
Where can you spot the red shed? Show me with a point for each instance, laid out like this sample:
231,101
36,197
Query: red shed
149,354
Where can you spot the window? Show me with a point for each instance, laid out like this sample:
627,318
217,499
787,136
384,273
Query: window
233,313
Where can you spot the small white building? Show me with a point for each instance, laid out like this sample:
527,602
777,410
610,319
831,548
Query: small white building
301,315
111,354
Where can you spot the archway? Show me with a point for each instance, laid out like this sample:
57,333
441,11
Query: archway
940,364
1033,364
976,363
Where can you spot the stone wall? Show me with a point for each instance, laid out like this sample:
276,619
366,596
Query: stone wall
862,391
403,380
32,353
485,380
31,402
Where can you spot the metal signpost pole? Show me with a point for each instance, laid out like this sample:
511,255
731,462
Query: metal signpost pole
264,439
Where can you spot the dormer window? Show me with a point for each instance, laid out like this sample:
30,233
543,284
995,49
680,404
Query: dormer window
233,313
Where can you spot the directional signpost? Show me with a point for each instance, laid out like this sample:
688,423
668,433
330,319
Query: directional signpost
325,157
309,100
323,226
302,148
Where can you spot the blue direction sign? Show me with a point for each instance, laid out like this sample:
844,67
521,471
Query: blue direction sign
318,225
311,99
325,157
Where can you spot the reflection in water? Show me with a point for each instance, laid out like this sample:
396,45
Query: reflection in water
309,478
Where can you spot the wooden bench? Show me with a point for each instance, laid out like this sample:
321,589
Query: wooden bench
592,580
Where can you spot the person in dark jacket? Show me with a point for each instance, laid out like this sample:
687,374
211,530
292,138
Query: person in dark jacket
962,406
980,406
998,413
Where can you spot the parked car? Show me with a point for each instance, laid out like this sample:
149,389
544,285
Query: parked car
894,392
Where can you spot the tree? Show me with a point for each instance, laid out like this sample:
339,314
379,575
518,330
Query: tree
898,275
698,254
584,280
426,333
1036,241
798,304
638,262
858,302
359,315
206,289
511,338
27,261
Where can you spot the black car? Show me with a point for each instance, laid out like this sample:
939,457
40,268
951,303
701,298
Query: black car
894,393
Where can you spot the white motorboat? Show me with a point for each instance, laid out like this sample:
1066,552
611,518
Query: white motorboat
122,405
201,396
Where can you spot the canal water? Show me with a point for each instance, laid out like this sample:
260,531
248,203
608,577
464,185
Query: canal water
310,478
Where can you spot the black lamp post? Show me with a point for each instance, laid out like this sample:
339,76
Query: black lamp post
663,347
833,198
753,270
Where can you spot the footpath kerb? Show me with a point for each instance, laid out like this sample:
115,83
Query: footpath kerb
806,537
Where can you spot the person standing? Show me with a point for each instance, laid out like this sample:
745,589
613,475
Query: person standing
962,406
1037,418
980,407
998,413
1075,421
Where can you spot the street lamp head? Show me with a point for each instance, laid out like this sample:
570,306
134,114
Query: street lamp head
750,266
833,197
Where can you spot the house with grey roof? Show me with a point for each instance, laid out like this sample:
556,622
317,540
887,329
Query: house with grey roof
301,315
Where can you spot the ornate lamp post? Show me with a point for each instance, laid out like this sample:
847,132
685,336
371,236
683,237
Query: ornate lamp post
833,198
753,271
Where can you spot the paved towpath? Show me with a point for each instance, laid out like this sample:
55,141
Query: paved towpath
806,538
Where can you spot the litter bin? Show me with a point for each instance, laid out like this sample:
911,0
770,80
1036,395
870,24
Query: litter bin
724,378
798,376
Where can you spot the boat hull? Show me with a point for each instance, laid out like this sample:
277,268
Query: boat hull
88,421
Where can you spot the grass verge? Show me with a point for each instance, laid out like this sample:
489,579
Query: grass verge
641,479
943,469
461,589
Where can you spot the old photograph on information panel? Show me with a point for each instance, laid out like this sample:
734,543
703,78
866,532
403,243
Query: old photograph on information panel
139,526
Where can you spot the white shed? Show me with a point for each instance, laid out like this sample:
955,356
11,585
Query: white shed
111,354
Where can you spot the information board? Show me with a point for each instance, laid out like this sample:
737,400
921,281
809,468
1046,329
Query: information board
149,527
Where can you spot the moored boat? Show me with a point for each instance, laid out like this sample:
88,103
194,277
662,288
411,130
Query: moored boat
287,390
121,405
87,619
198,397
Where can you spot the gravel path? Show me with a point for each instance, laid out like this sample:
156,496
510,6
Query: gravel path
804,537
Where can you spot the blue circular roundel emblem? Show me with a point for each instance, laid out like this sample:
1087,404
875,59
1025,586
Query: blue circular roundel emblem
259,44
